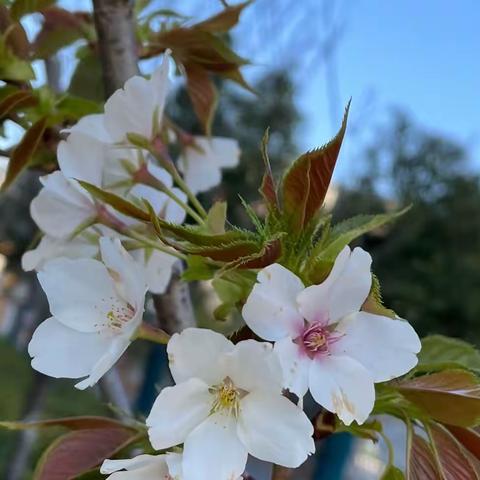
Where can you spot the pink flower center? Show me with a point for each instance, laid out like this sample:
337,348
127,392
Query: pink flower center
317,338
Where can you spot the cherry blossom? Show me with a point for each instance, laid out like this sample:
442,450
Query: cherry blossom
324,341
96,309
227,403
202,162
145,467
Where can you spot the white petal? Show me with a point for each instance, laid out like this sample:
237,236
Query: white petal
81,157
196,353
177,411
385,347
253,366
142,99
116,349
93,126
80,293
173,212
159,270
61,352
50,248
295,366
174,462
60,207
344,290
342,386
271,310
159,173
131,283
275,430
142,467
214,451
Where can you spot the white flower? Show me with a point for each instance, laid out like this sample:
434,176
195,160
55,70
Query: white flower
96,309
50,248
201,164
145,467
138,106
61,206
226,404
325,343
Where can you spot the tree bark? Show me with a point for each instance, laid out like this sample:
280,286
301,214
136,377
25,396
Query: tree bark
116,40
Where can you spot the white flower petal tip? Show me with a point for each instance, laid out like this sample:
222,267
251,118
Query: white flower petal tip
143,467
61,207
227,403
324,342
96,308
143,99
202,163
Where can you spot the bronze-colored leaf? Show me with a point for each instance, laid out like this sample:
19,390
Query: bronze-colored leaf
306,182
223,21
24,151
450,396
468,437
421,463
20,8
16,100
203,94
79,451
453,461
72,423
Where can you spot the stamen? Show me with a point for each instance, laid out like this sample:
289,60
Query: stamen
226,397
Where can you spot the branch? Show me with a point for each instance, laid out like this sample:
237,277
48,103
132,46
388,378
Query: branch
116,41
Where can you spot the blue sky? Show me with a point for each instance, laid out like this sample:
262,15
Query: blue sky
418,55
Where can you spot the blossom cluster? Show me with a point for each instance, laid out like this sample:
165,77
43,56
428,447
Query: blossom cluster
96,265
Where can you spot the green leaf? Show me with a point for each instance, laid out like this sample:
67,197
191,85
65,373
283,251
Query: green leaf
20,8
374,303
87,80
368,430
118,203
72,423
216,218
453,461
197,269
324,253
392,473
268,188
225,252
198,238
232,289
306,182
12,67
440,352
79,451
24,151
73,108
451,396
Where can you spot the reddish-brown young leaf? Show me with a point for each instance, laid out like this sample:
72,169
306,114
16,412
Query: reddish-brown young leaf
306,182
268,189
16,38
16,100
24,151
421,461
223,21
72,423
202,93
228,252
452,459
267,255
81,450
468,437
450,396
